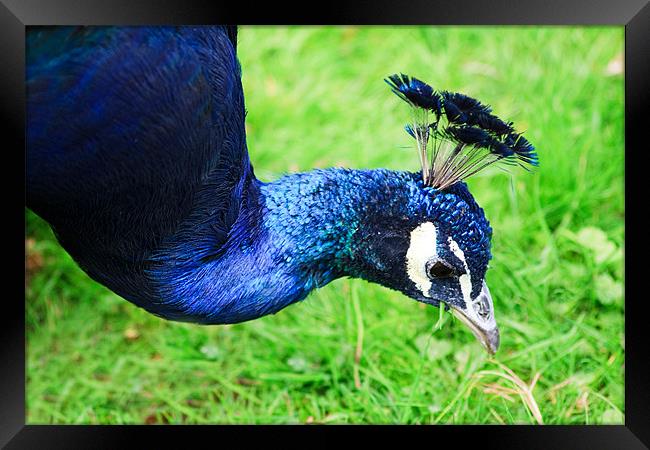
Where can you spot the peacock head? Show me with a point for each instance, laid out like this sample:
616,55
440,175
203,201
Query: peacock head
437,248
434,247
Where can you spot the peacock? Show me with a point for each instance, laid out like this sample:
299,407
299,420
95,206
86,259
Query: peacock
137,159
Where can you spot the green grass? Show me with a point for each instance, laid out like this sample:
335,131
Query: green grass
354,352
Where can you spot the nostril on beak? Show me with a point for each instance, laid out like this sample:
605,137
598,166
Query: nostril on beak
482,307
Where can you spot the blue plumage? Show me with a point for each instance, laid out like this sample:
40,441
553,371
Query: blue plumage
135,141
137,157
415,92
464,136
305,230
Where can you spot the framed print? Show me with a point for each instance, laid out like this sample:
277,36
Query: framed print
386,216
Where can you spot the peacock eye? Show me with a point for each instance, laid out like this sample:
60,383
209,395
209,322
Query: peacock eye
438,269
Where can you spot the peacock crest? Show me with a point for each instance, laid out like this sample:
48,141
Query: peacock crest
456,135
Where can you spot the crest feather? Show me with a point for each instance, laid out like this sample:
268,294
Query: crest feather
464,136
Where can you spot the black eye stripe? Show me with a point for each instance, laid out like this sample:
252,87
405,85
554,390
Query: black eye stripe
439,269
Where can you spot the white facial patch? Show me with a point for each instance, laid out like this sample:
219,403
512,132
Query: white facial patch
422,248
465,279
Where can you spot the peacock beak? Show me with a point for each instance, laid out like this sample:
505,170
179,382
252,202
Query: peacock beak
478,315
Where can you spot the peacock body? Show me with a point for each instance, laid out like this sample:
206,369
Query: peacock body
137,158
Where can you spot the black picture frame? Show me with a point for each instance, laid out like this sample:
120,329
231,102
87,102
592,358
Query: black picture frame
15,15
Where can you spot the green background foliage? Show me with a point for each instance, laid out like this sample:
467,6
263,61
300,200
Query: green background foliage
354,352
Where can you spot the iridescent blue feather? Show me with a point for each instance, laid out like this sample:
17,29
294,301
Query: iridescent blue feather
415,92
464,138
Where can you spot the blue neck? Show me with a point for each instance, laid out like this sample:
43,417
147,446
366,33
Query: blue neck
293,235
